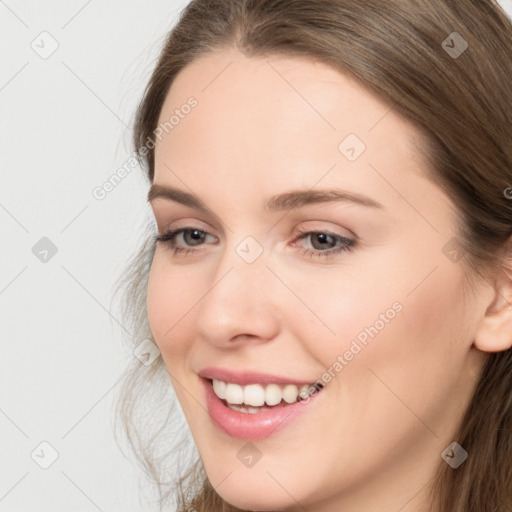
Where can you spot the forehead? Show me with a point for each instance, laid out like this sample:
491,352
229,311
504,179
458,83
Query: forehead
276,95
278,121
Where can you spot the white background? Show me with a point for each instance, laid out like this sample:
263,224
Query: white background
65,128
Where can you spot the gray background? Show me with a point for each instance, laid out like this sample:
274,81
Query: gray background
65,125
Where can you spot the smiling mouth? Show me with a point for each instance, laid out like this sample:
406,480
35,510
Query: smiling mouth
254,411
258,398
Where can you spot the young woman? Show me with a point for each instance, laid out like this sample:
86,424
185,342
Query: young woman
328,280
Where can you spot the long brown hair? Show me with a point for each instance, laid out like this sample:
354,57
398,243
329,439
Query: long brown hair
462,104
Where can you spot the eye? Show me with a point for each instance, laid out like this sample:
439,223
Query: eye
321,241
192,235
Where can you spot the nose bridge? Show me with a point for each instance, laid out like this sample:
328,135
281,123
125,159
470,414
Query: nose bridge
239,297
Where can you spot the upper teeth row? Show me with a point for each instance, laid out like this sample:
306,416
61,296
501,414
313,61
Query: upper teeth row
257,394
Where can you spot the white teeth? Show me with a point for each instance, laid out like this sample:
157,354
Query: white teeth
254,394
220,388
258,395
290,393
247,410
273,394
234,394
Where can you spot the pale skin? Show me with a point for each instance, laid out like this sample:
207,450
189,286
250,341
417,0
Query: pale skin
262,127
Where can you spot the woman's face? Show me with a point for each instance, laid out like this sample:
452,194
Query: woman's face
322,254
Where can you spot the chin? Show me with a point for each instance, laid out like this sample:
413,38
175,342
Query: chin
255,494
267,502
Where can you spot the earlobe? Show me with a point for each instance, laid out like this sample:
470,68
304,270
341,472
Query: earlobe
494,332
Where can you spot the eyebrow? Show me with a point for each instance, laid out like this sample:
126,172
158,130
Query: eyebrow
285,201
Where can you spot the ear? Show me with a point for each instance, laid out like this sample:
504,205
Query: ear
494,331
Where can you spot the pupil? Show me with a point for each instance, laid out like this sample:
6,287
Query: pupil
322,238
196,235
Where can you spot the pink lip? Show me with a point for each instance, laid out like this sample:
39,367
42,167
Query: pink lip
257,426
245,377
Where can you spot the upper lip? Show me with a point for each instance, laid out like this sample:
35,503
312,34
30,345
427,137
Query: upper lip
248,377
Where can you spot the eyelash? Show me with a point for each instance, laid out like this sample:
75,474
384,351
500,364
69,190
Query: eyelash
168,238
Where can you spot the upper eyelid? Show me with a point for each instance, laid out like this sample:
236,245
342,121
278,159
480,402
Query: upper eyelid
298,235
221,226
351,234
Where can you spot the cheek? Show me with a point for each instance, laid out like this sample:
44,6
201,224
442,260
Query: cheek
170,297
341,309
414,363
397,319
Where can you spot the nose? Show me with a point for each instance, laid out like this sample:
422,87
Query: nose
241,303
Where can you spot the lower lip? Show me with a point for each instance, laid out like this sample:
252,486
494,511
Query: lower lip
252,426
